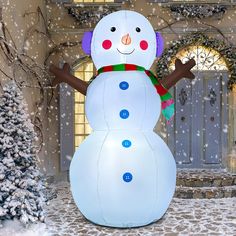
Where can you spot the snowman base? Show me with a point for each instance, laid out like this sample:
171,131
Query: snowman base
129,187
124,225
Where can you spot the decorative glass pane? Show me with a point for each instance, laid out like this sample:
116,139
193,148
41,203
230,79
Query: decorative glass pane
81,126
88,129
88,76
88,67
206,58
79,97
79,140
79,119
83,0
93,0
86,121
79,108
79,74
79,129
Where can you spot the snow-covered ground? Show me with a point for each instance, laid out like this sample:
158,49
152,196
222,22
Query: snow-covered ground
184,217
15,228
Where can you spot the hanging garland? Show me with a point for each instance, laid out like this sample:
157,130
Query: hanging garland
90,15
225,50
197,11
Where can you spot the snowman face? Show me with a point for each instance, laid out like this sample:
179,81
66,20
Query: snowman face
123,37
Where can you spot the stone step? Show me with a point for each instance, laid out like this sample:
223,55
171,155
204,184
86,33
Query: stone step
205,178
205,184
205,192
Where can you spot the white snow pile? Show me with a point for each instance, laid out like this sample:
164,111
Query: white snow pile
16,228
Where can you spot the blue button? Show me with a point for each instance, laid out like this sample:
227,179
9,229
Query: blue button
126,143
124,114
127,177
124,85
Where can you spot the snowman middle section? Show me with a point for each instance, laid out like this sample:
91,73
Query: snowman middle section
121,101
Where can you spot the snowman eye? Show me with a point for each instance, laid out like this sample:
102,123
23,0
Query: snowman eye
113,29
138,29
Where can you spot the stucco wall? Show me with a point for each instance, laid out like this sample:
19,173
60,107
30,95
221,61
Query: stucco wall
18,21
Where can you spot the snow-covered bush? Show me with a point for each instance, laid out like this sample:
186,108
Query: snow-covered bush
21,185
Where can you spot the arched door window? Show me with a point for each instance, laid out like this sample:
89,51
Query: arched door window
81,126
207,59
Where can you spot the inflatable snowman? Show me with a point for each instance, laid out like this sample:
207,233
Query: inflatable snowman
123,174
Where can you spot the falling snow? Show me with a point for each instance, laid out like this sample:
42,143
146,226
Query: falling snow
15,228
187,217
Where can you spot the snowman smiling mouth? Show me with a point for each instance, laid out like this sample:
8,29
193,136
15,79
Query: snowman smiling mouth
126,53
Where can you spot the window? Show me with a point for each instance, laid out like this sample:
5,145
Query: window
190,1
81,126
207,59
99,1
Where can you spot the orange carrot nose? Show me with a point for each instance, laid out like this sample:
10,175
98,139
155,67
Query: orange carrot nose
126,40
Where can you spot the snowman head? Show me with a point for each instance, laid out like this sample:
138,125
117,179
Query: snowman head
123,37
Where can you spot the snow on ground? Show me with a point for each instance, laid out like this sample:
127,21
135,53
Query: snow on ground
184,217
15,228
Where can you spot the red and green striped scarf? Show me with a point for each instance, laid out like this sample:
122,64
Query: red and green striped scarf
167,102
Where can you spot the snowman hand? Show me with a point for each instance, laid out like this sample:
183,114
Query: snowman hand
63,75
181,71
185,69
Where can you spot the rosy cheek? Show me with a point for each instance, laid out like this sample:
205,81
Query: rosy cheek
144,44
106,44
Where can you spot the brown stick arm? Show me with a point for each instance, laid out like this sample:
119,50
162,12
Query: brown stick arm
181,71
63,75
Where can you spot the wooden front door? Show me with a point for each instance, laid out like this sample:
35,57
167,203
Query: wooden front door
198,134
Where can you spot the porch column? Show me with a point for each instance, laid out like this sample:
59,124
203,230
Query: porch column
232,155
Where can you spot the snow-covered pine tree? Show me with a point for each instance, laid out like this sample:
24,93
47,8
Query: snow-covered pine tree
21,195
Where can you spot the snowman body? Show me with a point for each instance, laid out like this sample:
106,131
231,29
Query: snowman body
123,174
